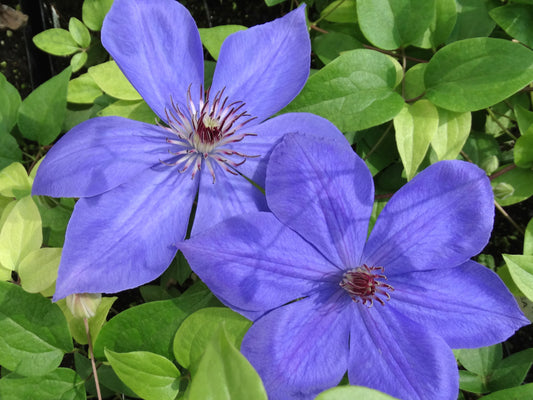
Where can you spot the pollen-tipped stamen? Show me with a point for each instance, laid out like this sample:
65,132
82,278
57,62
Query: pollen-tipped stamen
206,130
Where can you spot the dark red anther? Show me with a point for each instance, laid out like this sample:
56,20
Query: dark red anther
365,285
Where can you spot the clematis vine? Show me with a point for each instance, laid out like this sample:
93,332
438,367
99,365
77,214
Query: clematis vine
326,300
137,182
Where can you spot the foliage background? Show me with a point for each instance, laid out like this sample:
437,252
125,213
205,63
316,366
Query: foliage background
32,231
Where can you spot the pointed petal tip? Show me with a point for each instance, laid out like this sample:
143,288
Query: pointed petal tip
267,65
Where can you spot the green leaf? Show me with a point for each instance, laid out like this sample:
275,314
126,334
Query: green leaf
21,233
196,331
83,90
14,181
415,126
341,11
516,393
33,332
224,374
528,239
414,81
79,32
523,150
520,180
476,73
505,276
511,371
9,149
515,19
444,17
9,103
378,147
473,20
113,82
56,41
471,382
151,376
42,112
524,118
94,11
7,206
212,38
330,45
140,328
521,269
5,274
62,383
481,361
352,393
77,326
55,220
390,24
134,109
355,91
481,147
78,61
38,270
452,134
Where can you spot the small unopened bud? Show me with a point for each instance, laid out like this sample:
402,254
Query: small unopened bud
83,305
502,190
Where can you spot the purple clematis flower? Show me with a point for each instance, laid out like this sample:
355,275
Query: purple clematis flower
137,182
325,300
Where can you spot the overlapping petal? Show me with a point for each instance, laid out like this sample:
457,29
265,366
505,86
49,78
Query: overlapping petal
469,306
440,219
395,355
324,191
228,196
265,66
98,155
249,263
300,349
157,46
125,237
269,133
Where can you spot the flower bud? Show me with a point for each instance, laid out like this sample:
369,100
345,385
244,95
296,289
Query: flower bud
83,305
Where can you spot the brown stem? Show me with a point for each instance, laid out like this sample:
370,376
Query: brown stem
394,54
502,171
316,28
91,355
383,196
508,218
378,142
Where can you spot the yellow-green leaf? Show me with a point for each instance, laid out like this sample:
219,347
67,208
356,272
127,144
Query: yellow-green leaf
415,126
21,233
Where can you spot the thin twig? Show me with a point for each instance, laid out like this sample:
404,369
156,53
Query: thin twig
394,54
508,218
404,70
207,14
91,355
378,142
465,156
326,15
503,128
502,171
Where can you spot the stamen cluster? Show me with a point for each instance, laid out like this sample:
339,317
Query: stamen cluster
362,284
206,131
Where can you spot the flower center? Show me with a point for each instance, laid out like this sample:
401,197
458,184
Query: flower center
363,284
206,133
